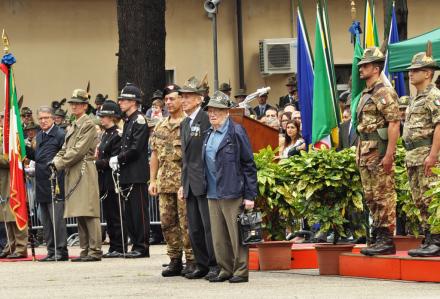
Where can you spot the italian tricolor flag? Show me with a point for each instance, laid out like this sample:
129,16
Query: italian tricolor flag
14,148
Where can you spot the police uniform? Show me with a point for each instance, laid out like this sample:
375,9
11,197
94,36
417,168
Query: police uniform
167,144
17,239
110,146
377,107
134,175
422,118
76,157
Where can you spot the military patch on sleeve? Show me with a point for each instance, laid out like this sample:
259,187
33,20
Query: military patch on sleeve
437,102
140,119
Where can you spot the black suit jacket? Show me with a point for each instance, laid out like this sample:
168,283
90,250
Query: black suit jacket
109,146
193,175
257,111
284,100
47,148
345,141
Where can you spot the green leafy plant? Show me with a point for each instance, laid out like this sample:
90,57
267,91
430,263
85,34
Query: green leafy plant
434,206
405,204
275,200
327,185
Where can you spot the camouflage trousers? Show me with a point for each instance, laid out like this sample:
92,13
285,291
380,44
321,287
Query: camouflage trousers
174,226
380,195
419,184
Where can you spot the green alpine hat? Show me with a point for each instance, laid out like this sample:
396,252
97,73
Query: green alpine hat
291,81
241,93
371,55
224,87
79,96
193,85
403,101
423,59
31,126
219,100
25,111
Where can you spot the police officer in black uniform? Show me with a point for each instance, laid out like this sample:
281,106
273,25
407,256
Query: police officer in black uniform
132,163
110,115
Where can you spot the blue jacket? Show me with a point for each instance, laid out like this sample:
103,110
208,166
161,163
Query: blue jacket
235,166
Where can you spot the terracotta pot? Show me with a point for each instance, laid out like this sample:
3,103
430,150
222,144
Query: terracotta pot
275,255
328,257
405,243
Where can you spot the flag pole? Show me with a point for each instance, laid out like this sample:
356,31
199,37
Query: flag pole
6,48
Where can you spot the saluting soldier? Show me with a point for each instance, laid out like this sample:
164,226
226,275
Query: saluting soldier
76,157
110,145
132,163
379,126
421,135
165,179
17,239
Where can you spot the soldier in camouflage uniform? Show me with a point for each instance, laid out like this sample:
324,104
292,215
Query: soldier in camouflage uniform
421,135
165,173
379,122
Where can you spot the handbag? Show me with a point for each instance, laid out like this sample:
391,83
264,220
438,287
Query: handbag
250,227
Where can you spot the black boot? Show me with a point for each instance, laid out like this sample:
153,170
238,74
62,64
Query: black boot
173,269
384,244
372,239
430,247
189,268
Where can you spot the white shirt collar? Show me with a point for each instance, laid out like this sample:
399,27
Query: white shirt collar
50,129
194,114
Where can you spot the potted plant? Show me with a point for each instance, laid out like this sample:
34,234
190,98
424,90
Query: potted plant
328,185
406,208
276,203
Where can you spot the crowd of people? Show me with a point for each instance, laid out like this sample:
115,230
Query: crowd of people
178,151
188,152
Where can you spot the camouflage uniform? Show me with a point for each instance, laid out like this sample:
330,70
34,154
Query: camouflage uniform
422,116
167,144
380,194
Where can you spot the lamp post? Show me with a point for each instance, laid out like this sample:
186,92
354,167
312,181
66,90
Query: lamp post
211,8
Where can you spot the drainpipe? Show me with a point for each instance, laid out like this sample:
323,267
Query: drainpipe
240,45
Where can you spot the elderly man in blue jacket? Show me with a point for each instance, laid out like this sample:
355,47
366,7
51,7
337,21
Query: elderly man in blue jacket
231,179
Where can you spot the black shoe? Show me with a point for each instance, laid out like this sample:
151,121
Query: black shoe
90,258
219,278
16,255
213,272
384,244
238,279
77,259
47,258
112,254
136,254
197,274
189,268
3,255
61,258
174,268
430,247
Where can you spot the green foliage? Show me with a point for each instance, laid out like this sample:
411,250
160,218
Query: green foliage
434,206
328,185
405,204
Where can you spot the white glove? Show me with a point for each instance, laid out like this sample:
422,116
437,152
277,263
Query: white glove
113,163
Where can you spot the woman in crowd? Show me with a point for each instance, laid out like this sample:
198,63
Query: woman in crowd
293,142
231,180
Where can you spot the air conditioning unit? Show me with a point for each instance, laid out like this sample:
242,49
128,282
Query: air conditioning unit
278,56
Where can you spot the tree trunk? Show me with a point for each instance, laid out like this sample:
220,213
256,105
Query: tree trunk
141,57
401,8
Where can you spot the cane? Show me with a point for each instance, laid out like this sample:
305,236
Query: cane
3,201
53,183
118,191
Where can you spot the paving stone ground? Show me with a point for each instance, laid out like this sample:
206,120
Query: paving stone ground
119,278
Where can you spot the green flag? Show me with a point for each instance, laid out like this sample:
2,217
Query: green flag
357,85
324,118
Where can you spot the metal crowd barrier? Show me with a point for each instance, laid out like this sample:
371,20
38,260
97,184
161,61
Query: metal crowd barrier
73,222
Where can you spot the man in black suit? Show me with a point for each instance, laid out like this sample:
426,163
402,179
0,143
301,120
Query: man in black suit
48,142
292,96
260,110
193,190
347,133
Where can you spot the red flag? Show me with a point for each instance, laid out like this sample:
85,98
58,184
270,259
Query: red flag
17,152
